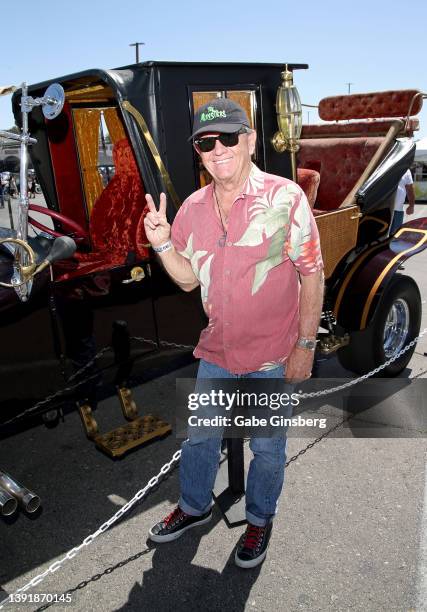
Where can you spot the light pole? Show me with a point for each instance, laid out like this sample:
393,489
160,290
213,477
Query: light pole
349,87
136,45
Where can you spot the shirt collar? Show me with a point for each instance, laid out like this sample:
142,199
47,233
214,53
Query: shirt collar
253,184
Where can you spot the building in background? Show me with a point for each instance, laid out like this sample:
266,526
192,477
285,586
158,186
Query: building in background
9,154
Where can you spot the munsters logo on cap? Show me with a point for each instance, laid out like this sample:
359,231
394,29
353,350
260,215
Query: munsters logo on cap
219,115
212,113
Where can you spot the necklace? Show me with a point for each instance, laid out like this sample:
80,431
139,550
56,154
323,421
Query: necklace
223,238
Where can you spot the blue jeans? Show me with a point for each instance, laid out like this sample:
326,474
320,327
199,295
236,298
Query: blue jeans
201,455
397,221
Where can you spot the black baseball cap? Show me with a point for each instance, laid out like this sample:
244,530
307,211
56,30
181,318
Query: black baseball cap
219,115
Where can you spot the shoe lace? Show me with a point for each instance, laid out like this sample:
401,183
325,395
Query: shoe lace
173,516
253,536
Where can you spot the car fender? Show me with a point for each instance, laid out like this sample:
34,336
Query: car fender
359,292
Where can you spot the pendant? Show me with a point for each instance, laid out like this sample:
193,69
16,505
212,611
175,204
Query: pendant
222,240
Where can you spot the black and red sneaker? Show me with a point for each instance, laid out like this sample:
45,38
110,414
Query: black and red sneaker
175,524
253,544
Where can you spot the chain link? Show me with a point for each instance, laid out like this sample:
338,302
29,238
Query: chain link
104,527
323,392
163,343
316,440
89,364
355,381
64,390
166,344
177,455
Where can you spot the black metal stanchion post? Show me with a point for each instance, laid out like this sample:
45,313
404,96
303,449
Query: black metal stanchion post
229,490
9,207
236,470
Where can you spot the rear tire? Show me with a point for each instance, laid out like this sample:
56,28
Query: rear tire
396,323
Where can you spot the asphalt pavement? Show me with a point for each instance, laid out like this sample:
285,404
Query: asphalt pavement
350,533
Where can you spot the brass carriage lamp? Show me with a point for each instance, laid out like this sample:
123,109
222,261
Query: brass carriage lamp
289,118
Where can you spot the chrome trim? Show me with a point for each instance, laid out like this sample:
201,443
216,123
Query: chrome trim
396,328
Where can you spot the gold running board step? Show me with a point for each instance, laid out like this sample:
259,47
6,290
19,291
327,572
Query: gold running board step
139,430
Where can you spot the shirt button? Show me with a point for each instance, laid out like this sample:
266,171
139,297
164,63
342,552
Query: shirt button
229,243
226,299
226,323
227,272
227,346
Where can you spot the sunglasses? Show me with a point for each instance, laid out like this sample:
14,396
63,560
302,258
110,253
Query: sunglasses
227,140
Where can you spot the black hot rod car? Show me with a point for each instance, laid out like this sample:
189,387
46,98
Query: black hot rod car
123,133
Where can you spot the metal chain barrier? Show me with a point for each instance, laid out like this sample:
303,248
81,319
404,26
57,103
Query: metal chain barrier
64,390
108,570
163,343
54,567
89,364
317,440
355,381
323,392
177,455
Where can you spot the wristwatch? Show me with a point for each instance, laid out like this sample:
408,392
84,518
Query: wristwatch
305,343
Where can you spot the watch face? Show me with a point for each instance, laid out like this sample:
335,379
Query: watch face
307,344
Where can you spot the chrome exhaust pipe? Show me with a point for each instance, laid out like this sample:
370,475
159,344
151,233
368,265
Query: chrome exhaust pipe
8,504
28,500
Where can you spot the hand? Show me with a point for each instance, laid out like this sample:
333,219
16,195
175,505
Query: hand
156,225
410,210
299,365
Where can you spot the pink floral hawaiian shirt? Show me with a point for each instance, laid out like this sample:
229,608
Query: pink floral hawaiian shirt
249,280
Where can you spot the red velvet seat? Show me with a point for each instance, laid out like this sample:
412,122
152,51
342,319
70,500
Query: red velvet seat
340,152
379,127
115,226
308,180
340,162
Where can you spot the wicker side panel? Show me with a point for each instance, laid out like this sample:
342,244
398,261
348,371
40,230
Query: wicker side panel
338,235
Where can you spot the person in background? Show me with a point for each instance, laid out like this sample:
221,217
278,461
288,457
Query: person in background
32,190
405,189
13,190
3,184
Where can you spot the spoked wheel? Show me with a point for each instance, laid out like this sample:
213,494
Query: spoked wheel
396,328
395,324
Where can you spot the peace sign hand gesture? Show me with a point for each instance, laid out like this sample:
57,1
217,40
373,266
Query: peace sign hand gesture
156,225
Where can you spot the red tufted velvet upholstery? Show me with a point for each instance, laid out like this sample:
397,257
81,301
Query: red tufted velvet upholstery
341,151
114,225
340,161
375,104
308,180
379,127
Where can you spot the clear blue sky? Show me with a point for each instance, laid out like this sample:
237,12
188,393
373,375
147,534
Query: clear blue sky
375,44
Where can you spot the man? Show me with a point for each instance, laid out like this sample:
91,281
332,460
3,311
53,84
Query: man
3,185
242,238
13,190
32,188
405,189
